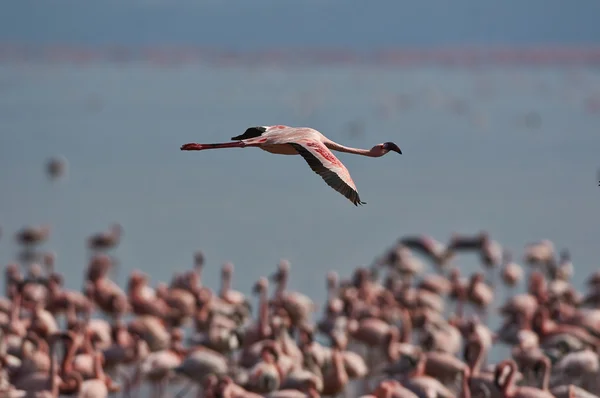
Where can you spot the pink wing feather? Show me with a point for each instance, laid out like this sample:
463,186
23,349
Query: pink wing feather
324,163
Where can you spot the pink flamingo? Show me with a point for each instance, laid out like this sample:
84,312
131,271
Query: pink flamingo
260,329
512,272
546,328
313,146
428,246
335,380
106,240
46,384
297,305
30,236
424,385
479,381
391,389
227,294
508,387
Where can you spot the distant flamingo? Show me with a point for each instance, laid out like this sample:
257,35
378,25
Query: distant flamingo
512,272
428,246
297,305
30,236
106,240
313,146
507,384
227,294
56,167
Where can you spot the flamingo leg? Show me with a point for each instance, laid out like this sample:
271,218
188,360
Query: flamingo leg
187,388
136,381
370,360
162,388
125,380
199,147
483,314
492,277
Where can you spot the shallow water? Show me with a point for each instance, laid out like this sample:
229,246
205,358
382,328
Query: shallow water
477,167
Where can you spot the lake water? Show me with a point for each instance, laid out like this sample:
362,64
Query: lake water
469,163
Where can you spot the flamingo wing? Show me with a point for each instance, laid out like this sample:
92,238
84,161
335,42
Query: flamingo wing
324,163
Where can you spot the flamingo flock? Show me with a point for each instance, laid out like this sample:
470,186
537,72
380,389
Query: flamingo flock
388,330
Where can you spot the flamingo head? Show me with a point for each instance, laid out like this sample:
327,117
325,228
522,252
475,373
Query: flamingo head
199,258
269,353
384,148
55,280
227,269
116,230
261,285
177,335
306,335
332,279
12,269
501,373
477,277
282,270
540,366
49,259
339,341
34,271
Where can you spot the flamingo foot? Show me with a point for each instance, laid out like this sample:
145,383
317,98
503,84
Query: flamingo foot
192,147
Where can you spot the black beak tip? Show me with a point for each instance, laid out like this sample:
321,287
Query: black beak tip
392,147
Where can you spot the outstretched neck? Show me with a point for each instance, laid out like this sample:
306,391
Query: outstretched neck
341,148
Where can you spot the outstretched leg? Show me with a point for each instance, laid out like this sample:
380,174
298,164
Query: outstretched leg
199,147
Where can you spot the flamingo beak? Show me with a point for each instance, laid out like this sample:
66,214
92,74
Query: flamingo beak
275,277
390,146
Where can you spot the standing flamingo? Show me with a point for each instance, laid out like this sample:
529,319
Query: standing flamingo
508,387
309,143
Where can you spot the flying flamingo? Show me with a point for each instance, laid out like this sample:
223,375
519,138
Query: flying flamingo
313,146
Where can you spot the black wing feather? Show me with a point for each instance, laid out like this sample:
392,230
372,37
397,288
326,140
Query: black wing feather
330,177
251,132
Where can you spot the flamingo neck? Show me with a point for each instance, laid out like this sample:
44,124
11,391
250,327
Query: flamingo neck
69,357
313,393
198,270
331,291
546,377
476,365
53,373
392,352
341,377
420,368
225,284
16,308
510,380
282,284
406,328
263,316
357,151
71,314
33,340
466,388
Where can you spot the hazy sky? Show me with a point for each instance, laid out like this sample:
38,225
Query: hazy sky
309,23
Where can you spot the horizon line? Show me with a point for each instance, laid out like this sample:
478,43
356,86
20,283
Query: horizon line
458,55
